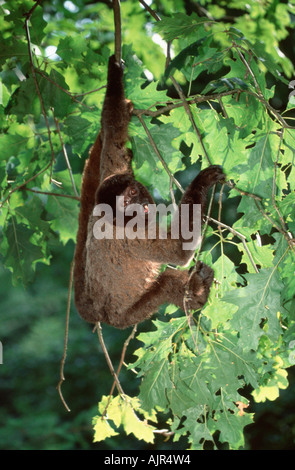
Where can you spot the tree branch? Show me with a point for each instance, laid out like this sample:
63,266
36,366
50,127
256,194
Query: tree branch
24,184
47,193
63,360
27,30
118,33
108,359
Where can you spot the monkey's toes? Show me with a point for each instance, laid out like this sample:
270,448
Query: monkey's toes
204,271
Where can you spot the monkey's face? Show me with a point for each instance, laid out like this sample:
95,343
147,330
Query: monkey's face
134,198
134,194
125,196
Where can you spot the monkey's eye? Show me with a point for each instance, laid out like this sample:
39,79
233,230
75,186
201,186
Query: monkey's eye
133,191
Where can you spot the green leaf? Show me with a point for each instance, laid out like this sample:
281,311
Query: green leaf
31,214
4,95
180,25
14,48
22,253
154,386
72,49
26,98
143,98
198,428
259,301
272,66
54,91
133,425
163,136
261,255
219,311
64,220
179,61
231,428
153,363
77,128
189,387
247,113
102,429
19,138
271,390
122,410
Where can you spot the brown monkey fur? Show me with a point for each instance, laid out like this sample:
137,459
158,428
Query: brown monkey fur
117,281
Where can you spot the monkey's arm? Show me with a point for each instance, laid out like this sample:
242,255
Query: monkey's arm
171,286
179,249
197,191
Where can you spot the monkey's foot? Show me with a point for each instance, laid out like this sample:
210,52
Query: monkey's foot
199,286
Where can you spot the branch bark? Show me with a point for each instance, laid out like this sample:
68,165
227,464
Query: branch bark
118,33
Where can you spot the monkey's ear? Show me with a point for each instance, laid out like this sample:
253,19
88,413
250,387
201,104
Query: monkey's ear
110,188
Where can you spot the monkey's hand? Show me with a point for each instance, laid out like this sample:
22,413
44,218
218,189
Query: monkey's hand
211,175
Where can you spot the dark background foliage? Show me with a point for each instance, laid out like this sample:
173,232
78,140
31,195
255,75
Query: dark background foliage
32,415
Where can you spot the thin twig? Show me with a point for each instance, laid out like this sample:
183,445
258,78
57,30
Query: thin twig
232,185
159,155
179,90
47,193
77,95
267,217
186,297
206,222
239,235
219,210
65,153
276,114
31,11
250,71
172,194
73,96
178,104
25,183
191,118
274,182
63,360
287,235
108,359
126,343
27,30
150,10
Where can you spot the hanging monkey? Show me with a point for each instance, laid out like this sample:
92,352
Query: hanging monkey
118,280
